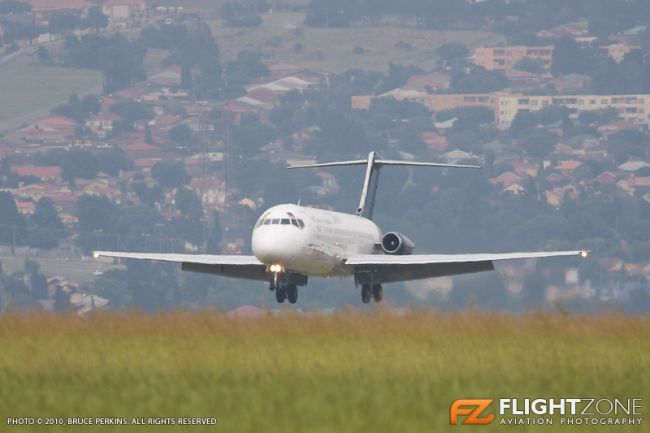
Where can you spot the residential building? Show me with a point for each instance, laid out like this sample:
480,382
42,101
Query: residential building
101,124
505,58
125,10
633,108
618,51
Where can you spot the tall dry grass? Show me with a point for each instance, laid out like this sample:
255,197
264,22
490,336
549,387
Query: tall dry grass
379,372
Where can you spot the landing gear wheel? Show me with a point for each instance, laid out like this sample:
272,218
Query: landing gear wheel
280,294
292,293
366,293
377,292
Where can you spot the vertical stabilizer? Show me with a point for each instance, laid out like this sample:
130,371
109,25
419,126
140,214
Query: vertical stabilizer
369,192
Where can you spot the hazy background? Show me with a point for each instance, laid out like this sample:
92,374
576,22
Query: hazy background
166,126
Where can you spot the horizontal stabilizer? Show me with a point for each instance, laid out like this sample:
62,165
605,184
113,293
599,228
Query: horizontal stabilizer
381,162
423,164
331,164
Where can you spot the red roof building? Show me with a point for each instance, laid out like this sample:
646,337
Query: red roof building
45,173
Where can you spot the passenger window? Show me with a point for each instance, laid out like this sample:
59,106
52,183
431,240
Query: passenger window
275,221
285,222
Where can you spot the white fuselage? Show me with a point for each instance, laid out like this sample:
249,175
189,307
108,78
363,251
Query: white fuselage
312,241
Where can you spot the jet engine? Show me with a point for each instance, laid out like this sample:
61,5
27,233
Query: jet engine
397,244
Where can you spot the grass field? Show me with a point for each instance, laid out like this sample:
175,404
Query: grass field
349,372
26,86
333,49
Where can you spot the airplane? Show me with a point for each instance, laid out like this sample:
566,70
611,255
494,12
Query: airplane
292,243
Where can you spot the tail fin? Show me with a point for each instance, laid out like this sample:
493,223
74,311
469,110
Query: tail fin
373,165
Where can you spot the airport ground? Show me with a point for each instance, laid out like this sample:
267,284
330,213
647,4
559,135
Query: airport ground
352,372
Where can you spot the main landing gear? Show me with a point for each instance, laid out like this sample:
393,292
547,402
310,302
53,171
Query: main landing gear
371,291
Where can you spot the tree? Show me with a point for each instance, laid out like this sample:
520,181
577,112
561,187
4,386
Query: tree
452,54
182,136
113,161
251,134
170,174
79,164
186,76
479,80
148,138
522,124
12,223
96,19
568,58
46,225
236,14
133,111
98,218
534,66
37,283
246,68
186,201
79,109
330,13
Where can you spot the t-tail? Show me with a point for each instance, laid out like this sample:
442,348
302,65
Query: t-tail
373,166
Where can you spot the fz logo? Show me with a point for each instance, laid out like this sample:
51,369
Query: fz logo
472,409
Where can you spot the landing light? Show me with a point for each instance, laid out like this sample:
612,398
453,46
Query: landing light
584,253
275,268
95,254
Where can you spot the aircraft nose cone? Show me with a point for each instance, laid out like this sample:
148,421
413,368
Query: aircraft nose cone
264,247
275,246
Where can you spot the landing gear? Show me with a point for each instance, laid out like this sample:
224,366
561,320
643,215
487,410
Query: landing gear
366,293
292,293
377,292
286,286
371,291
280,294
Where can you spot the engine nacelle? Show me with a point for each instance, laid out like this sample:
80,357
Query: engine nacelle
397,244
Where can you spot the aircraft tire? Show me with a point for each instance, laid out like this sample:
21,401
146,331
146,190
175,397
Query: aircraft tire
377,292
280,294
292,293
366,293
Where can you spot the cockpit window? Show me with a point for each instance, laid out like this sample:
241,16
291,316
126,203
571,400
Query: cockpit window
301,224
294,222
267,222
285,221
275,221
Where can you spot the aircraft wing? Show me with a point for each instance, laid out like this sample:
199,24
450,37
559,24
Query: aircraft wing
235,266
383,268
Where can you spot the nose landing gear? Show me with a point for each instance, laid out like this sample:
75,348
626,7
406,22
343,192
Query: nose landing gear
286,291
286,286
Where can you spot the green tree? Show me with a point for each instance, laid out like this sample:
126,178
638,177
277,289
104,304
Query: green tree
98,218
79,164
479,80
96,19
12,222
452,54
133,111
170,174
46,225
